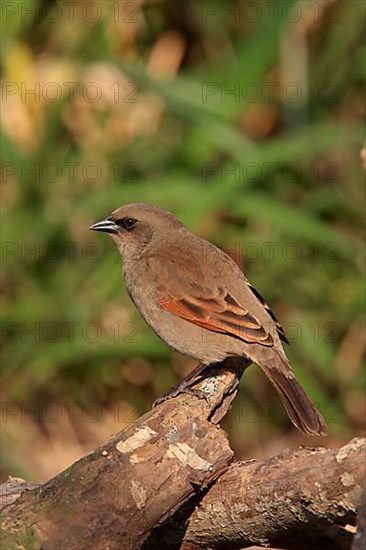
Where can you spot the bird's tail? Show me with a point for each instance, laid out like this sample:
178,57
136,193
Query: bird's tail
300,409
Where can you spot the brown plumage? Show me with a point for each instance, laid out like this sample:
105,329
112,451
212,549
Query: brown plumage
199,302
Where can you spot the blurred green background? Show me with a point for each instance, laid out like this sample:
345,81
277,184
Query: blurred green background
245,120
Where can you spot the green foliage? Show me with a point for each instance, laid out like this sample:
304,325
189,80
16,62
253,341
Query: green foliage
276,181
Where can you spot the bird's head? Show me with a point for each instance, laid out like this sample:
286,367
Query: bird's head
132,226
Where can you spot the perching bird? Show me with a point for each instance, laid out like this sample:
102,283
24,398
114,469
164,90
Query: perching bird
196,298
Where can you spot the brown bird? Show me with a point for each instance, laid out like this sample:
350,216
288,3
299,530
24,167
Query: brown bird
196,298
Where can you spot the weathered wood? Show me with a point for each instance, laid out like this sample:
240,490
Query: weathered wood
155,484
113,497
296,499
359,542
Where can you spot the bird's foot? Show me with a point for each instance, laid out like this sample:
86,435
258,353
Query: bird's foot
183,387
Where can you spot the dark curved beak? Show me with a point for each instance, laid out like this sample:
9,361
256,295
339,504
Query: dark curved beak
107,225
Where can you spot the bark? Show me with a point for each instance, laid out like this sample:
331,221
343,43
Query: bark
154,485
113,497
359,542
299,499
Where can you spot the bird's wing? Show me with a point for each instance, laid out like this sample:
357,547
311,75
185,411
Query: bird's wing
217,311
279,327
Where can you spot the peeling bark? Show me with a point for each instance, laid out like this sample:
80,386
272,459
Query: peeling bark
305,497
165,482
113,497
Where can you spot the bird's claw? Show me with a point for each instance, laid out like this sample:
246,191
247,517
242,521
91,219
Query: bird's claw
178,390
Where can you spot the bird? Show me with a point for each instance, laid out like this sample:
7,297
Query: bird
198,300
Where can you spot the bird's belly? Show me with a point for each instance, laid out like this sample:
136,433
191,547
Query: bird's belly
189,339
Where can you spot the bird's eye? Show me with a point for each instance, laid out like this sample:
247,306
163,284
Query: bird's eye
126,223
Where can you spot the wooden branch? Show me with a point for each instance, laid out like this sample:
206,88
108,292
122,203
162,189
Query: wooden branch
113,497
359,542
296,499
164,464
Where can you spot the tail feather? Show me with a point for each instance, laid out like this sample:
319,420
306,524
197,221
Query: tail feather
300,409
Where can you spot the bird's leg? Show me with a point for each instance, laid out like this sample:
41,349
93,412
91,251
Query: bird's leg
185,386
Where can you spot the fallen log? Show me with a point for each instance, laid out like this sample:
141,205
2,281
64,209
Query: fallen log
166,482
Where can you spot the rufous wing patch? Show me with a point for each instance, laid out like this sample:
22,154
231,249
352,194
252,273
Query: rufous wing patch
221,314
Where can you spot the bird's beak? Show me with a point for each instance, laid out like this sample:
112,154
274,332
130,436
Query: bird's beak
107,225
